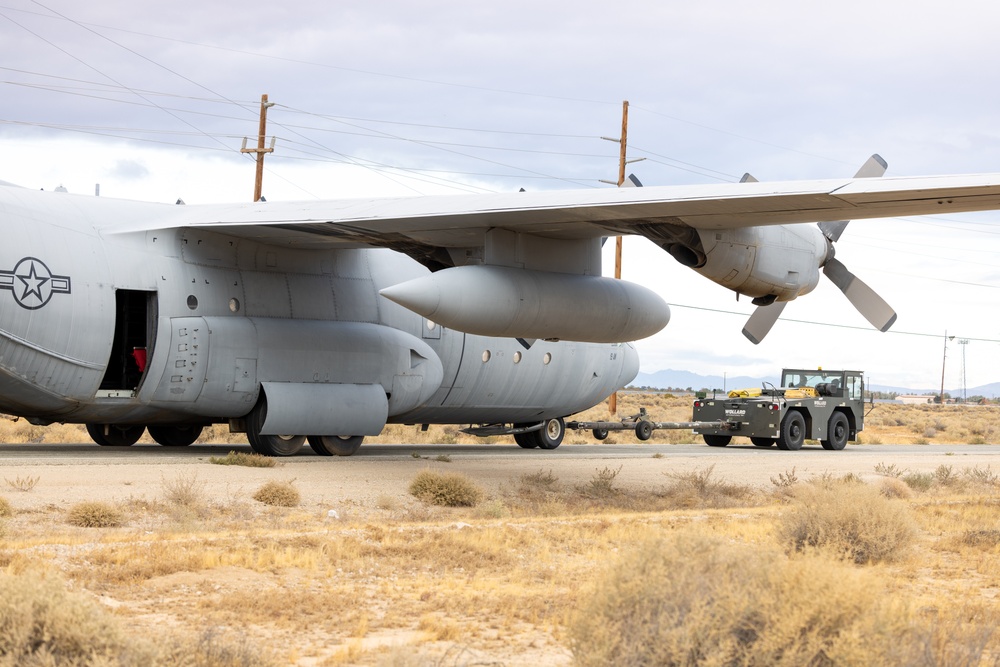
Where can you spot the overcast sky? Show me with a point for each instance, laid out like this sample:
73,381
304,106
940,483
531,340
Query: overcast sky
399,98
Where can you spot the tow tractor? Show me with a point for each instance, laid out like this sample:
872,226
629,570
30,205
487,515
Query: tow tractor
808,404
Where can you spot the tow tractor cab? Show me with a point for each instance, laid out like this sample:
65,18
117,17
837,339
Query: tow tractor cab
809,404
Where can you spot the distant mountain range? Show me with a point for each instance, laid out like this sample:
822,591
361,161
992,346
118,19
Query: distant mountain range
671,379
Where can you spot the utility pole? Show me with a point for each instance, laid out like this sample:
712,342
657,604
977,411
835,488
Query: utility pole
623,149
944,356
260,150
963,342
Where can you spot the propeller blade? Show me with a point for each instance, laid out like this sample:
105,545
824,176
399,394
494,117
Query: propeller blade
874,167
871,305
762,320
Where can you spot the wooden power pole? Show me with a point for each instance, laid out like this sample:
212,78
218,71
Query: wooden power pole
260,151
623,148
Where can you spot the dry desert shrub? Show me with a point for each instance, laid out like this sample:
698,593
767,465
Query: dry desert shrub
251,460
447,489
695,599
22,483
278,494
43,624
6,509
699,489
184,491
892,487
95,514
852,520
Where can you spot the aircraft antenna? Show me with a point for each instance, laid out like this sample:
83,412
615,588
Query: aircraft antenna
260,151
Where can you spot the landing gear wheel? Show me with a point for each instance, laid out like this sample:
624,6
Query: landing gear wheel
600,433
341,445
551,434
643,430
761,442
270,445
175,436
112,435
525,440
713,440
837,432
793,431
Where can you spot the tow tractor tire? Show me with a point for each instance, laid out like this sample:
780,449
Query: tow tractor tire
761,442
175,436
644,430
339,445
270,445
837,432
112,435
600,433
793,431
551,434
713,440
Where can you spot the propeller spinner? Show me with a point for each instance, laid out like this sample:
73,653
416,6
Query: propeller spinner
873,307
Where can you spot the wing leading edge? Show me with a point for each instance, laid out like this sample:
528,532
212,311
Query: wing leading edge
462,220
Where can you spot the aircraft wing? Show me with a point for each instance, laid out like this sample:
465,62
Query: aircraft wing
456,221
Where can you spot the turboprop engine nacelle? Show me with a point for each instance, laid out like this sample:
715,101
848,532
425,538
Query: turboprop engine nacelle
521,303
782,261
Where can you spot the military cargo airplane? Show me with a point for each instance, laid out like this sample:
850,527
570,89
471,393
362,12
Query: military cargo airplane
321,322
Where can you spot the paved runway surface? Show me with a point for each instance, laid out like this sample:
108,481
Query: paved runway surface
68,473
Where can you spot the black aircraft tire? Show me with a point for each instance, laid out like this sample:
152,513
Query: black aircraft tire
551,434
643,430
340,445
793,431
713,440
761,442
175,436
270,445
837,432
600,433
526,440
110,435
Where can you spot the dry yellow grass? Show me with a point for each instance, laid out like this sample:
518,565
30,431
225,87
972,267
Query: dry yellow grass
506,584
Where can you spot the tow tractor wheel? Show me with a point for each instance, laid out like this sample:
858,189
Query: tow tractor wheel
270,445
175,436
713,440
761,442
600,433
341,445
793,431
113,435
837,432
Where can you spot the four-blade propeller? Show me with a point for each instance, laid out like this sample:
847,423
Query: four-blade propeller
873,307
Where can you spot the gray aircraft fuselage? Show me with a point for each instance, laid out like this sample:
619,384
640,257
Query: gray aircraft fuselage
184,326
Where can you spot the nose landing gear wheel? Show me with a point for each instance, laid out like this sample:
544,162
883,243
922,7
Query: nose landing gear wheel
111,435
174,436
329,445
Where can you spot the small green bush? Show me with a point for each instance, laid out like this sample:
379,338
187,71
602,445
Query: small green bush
278,494
251,460
853,520
450,490
95,514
